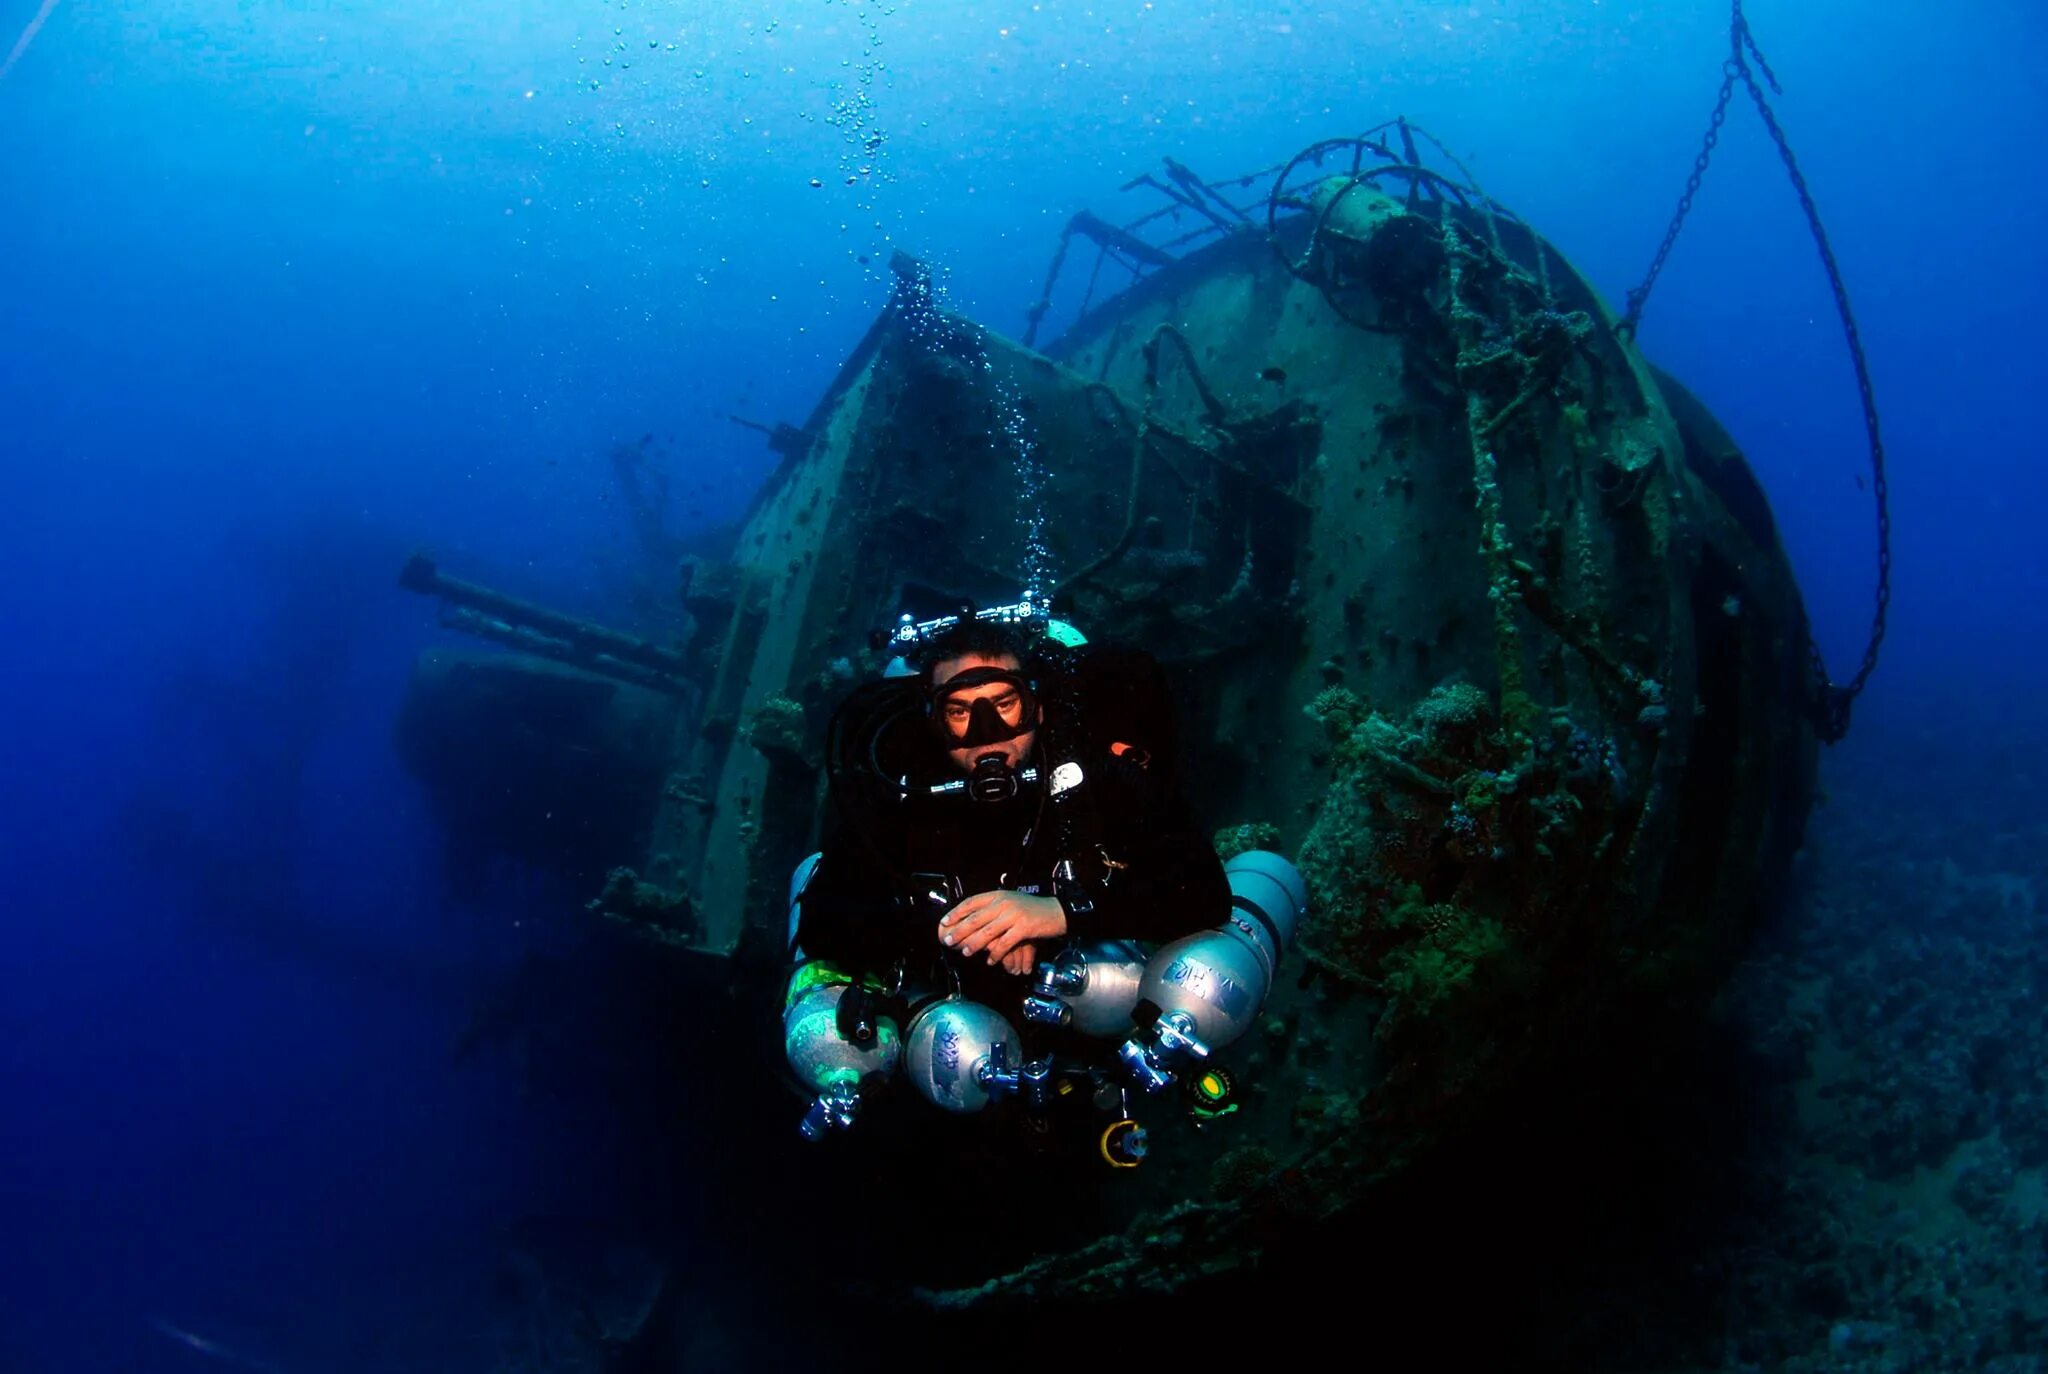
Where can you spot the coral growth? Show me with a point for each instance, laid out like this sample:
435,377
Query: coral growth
1453,716
1239,839
776,729
656,913
1446,846
1243,1169
1452,951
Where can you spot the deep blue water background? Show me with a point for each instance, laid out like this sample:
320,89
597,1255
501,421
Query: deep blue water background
288,292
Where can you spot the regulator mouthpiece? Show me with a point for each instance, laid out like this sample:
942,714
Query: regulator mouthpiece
993,779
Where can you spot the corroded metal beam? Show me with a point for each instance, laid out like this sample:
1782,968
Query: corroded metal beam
489,614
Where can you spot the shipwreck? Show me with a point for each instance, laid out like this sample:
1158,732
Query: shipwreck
1467,607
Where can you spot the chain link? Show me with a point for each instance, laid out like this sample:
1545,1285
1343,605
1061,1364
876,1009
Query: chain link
1832,701
1837,699
1640,296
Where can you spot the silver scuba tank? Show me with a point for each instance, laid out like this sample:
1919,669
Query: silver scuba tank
950,1048
1209,988
827,1063
1090,988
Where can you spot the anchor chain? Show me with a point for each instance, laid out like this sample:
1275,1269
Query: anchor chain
1832,700
1639,296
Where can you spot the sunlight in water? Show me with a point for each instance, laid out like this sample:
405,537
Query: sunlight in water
28,36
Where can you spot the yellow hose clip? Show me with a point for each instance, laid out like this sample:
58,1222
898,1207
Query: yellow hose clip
1123,1144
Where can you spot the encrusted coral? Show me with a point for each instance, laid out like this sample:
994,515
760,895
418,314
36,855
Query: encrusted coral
1234,840
1243,1169
1420,862
1456,951
776,728
657,913
1339,710
1578,429
1452,714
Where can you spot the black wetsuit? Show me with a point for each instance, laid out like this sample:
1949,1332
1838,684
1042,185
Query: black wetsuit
1137,869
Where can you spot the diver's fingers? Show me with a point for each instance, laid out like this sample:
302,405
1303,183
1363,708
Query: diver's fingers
987,932
964,920
965,907
1007,937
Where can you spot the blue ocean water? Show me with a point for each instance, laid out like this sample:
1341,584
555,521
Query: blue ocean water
292,290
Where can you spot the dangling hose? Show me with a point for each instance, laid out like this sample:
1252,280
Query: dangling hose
1832,701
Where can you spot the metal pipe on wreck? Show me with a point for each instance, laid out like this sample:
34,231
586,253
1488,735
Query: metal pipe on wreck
531,641
420,575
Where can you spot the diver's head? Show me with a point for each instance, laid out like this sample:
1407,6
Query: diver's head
980,699
982,705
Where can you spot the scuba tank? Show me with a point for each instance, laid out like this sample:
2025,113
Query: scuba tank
952,1049
835,1037
830,1064
1202,992
1091,988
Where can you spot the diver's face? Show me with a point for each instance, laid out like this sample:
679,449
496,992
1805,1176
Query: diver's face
956,710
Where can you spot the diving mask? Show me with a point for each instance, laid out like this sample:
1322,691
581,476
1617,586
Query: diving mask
989,719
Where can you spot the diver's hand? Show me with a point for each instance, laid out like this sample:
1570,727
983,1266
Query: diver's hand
1021,960
996,923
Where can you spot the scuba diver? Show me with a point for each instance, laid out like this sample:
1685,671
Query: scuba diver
1009,841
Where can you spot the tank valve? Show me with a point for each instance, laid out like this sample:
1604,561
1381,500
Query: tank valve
1151,1054
1055,981
832,1109
1031,1080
